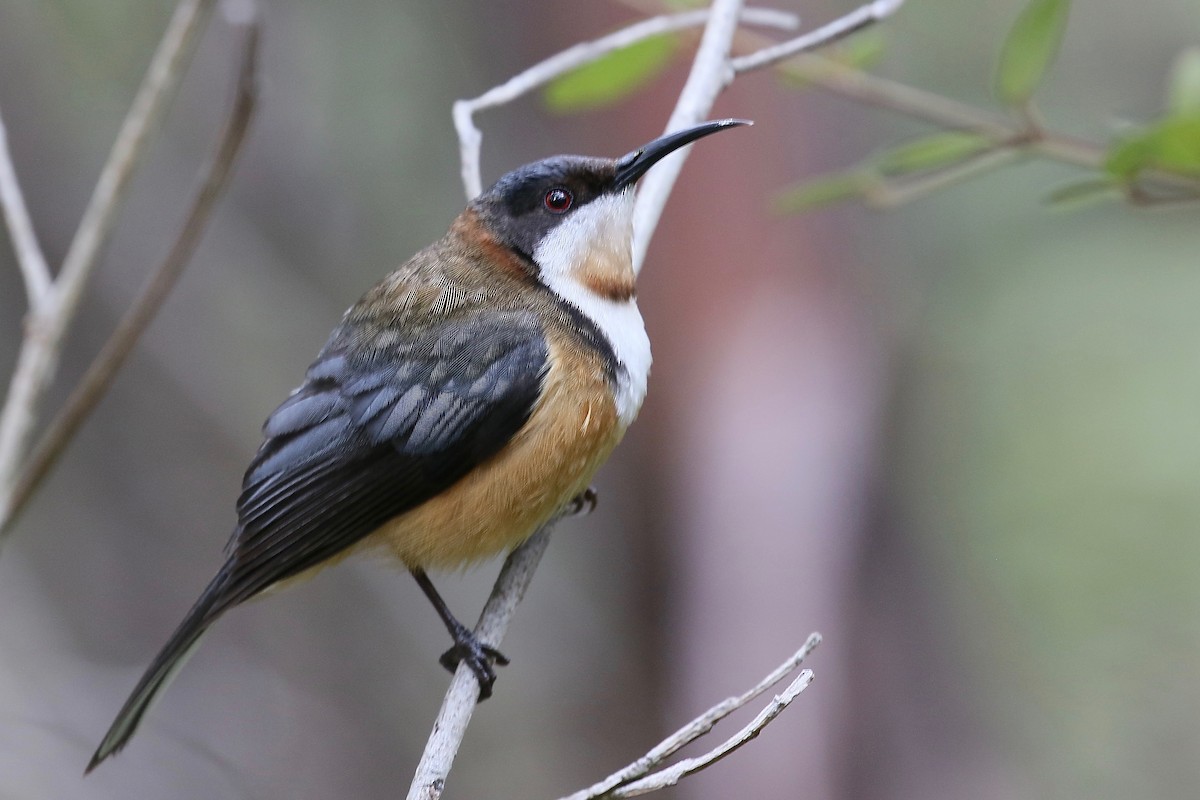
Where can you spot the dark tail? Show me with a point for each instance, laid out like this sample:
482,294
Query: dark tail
168,661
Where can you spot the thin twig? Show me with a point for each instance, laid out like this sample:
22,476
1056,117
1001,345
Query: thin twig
108,361
462,696
838,29
471,138
677,772
1027,133
897,192
144,118
695,729
946,112
32,262
863,87
47,326
1140,196
709,75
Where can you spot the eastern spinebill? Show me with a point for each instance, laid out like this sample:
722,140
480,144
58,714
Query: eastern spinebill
460,404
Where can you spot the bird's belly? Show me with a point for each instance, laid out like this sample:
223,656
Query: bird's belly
571,432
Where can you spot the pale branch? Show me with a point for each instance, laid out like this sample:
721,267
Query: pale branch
47,325
463,694
710,74
137,318
840,28
676,772
30,259
132,143
471,138
718,72
634,773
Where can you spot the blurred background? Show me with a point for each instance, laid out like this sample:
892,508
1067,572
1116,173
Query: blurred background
961,439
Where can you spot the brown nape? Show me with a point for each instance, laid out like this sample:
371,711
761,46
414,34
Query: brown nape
491,251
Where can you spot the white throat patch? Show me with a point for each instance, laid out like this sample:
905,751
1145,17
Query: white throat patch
600,235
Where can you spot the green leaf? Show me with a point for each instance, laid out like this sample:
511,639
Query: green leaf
823,191
612,77
1172,144
1183,97
1030,48
931,152
1082,193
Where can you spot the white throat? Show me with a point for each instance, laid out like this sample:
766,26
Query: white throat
597,240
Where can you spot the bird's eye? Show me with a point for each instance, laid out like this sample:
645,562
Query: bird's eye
558,200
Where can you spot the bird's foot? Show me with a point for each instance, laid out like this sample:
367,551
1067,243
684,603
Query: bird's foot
583,503
478,656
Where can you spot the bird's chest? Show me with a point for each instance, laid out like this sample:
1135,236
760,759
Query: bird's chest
573,428
576,422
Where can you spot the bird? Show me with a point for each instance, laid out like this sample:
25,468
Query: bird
459,405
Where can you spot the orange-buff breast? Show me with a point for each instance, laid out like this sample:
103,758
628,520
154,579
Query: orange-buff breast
501,502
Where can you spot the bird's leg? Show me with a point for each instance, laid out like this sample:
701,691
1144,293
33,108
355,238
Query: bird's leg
479,656
583,503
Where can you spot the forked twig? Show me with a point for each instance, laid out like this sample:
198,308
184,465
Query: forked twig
675,773
696,100
639,777
137,318
470,138
48,322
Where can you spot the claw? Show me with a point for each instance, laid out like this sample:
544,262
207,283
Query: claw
583,503
479,658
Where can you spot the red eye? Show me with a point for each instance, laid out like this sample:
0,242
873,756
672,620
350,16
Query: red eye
558,200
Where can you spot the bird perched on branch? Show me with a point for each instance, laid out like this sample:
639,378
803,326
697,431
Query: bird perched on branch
459,405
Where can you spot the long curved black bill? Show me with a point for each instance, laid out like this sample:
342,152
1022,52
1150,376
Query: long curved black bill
632,166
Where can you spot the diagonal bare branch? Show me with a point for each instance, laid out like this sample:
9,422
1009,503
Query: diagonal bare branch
709,75
144,118
99,376
695,729
30,259
48,325
677,772
840,28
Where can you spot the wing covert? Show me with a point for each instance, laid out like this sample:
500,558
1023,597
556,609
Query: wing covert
382,423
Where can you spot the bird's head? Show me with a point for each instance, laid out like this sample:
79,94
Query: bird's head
571,217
